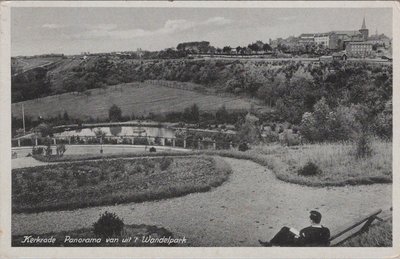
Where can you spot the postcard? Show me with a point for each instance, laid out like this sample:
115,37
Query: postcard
191,129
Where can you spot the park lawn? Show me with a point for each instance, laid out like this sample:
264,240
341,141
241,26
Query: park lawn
67,186
128,231
337,162
378,235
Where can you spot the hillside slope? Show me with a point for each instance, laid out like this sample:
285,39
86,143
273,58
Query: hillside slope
133,98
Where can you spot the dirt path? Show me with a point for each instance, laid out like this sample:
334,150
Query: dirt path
251,205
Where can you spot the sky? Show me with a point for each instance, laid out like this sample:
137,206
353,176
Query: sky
41,30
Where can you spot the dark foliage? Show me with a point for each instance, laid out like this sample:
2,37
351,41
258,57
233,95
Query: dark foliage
243,147
108,225
309,169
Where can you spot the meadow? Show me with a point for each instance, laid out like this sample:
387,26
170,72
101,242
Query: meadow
67,186
133,98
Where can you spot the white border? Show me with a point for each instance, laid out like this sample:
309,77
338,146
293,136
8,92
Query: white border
243,252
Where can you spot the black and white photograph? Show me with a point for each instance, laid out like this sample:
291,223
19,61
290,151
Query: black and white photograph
169,126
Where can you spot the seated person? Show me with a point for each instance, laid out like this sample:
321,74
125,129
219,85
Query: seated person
314,235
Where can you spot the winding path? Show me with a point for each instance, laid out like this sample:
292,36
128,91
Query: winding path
251,205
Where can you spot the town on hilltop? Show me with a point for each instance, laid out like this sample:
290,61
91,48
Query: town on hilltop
332,45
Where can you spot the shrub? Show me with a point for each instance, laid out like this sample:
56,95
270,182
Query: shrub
109,224
37,151
165,163
49,151
309,169
363,146
115,113
152,149
243,147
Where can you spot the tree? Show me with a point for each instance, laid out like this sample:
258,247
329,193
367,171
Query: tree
66,116
226,49
222,115
254,47
267,47
195,113
248,131
115,113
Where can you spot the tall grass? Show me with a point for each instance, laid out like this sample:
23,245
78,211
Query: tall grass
338,162
379,235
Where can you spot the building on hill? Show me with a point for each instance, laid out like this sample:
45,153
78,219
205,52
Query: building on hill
380,40
336,39
363,48
306,38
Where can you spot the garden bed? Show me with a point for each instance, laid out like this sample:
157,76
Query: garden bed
67,186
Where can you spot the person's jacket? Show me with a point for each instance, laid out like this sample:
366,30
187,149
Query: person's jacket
314,236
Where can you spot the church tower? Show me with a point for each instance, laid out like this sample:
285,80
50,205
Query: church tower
364,31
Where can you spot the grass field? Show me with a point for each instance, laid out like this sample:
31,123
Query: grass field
379,235
93,183
132,98
29,63
128,231
337,163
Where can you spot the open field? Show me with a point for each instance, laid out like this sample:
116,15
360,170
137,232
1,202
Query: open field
93,183
133,98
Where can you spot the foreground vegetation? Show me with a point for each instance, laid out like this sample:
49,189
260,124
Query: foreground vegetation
335,164
94,183
379,235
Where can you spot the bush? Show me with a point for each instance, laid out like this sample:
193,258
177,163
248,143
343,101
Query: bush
108,225
243,147
37,151
165,163
152,149
115,113
309,169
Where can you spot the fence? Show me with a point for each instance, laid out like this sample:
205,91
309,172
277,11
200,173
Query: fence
189,143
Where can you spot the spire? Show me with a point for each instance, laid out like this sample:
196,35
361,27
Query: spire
363,27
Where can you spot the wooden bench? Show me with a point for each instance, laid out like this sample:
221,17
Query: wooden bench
361,224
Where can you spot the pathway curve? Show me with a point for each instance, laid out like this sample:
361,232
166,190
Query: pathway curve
251,205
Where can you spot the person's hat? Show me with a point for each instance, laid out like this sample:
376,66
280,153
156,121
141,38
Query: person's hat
315,216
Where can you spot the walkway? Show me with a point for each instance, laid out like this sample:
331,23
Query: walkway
251,205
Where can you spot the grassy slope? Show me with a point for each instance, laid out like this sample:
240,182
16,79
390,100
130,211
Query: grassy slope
136,98
339,167
94,183
379,235
29,63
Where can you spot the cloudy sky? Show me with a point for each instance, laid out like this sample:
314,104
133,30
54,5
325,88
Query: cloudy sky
75,30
